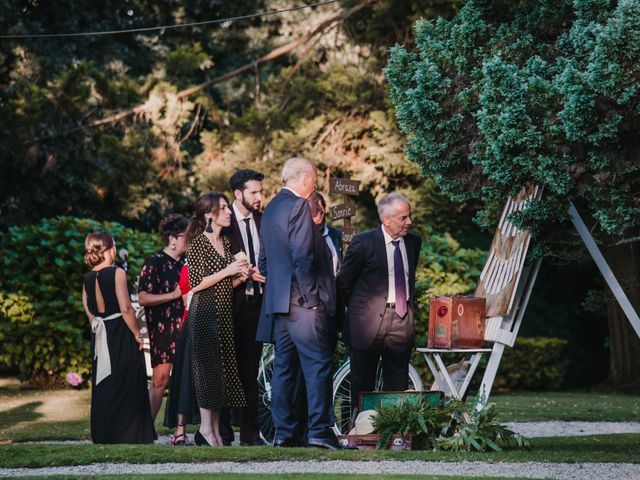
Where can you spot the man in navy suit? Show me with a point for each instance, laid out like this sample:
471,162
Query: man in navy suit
243,232
299,298
377,280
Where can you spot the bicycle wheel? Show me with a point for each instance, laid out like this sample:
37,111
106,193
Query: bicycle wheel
342,393
265,420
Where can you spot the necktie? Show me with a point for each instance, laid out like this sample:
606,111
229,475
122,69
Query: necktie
252,255
401,286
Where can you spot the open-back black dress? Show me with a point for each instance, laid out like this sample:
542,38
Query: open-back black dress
120,409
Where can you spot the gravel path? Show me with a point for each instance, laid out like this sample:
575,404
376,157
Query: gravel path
568,471
571,429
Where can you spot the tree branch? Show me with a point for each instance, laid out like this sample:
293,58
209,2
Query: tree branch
274,54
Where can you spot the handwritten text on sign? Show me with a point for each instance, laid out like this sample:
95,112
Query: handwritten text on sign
344,186
348,233
344,210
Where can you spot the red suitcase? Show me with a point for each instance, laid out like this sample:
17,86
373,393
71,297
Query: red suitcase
456,322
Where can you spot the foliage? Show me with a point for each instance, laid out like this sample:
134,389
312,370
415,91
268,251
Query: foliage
528,92
44,332
482,432
446,268
325,101
445,425
425,420
534,363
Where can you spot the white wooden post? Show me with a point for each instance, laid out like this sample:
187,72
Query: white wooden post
606,271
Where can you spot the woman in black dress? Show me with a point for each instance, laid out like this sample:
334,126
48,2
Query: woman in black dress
213,272
159,294
120,411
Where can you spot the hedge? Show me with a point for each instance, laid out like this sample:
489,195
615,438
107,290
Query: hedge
44,332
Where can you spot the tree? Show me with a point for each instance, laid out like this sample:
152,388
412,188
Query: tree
510,93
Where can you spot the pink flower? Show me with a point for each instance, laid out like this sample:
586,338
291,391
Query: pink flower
74,379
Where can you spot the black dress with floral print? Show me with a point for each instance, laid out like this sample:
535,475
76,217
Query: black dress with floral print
161,274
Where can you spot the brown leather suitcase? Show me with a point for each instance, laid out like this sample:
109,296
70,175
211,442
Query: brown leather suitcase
369,442
456,322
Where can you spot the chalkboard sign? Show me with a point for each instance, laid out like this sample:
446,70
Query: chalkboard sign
344,210
344,186
348,233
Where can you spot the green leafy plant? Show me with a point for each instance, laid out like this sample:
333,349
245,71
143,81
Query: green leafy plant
44,333
445,425
424,420
479,431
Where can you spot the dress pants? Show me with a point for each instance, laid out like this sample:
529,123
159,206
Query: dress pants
303,341
395,341
248,353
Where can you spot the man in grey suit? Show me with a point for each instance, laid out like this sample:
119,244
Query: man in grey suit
299,297
377,280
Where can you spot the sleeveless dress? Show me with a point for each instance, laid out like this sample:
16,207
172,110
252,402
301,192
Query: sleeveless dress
215,366
120,409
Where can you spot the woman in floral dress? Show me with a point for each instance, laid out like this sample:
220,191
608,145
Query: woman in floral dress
159,294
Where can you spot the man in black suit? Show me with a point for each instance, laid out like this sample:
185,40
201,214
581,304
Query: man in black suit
244,235
377,280
299,298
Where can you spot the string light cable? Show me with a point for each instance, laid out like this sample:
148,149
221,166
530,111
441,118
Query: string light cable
169,27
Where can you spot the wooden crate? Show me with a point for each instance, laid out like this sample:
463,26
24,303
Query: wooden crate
456,322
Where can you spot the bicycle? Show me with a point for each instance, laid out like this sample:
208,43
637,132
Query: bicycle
341,392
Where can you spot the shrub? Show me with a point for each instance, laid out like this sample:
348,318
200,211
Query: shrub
534,363
44,332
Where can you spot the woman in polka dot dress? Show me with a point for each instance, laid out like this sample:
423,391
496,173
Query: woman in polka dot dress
213,272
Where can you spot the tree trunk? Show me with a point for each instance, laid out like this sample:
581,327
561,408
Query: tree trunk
624,343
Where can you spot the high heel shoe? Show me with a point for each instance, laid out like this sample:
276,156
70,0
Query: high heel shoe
200,440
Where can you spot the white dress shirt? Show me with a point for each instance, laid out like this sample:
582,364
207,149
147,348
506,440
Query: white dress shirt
391,296
332,248
243,231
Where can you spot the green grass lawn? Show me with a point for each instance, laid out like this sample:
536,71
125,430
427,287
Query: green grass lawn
32,415
590,407
602,448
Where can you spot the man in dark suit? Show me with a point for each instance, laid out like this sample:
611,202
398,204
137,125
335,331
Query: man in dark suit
244,235
299,298
377,280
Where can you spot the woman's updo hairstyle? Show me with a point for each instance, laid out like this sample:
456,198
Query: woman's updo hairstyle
95,246
172,226
207,203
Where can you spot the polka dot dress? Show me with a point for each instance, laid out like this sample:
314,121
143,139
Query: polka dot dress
214,358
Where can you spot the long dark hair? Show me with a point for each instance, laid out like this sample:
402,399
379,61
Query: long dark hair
207,203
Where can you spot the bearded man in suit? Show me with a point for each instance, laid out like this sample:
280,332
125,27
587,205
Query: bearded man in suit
244,235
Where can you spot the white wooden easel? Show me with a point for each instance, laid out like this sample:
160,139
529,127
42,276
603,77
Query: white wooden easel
502,331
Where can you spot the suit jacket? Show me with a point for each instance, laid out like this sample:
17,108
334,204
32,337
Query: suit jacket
295,260
237,245
364,284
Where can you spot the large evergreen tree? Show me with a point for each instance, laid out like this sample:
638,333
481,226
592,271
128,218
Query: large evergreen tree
510,93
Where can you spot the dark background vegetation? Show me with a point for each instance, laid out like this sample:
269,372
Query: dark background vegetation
100,127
